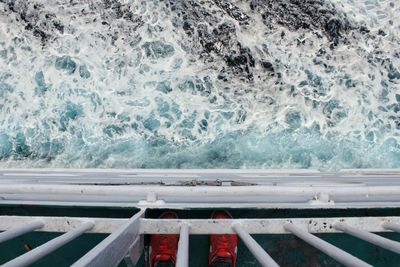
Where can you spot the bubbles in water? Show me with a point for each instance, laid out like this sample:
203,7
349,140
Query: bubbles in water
200,84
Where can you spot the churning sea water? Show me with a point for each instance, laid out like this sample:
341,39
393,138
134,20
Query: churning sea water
200,83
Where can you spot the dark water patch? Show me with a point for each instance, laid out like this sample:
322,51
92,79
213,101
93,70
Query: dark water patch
304,14
113,130
293,119
151,124
71,112
84,72
41,86
110,14
214,37
65,63
46,26
158,49
164,87
5,88
233,11
334,112
36,19
21,147
5,145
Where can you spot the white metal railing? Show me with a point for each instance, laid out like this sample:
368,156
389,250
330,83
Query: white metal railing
369,237
115,247
182,258
48,247
335,252
13,232
258,252
186,189
126,235
391,226
302,189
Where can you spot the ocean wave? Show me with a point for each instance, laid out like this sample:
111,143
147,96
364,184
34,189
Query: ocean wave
200,84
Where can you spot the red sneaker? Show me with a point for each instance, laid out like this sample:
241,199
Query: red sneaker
163,247
223,248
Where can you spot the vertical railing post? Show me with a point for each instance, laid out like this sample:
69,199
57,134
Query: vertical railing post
182,259
329,249
112,250
261,255
48,247
17,231
395,227
369,237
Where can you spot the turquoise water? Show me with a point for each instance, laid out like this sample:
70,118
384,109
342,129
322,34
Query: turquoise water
200,84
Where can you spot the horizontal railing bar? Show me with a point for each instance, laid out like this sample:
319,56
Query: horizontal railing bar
217,173
329,249
48,247
62,224
189,191
369,237
203,226
392,226
182,258
184,204
20,230
259,253
180,179
279,196
137,172
261,226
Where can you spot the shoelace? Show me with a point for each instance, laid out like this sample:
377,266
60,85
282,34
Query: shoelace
223,245
164,250
164,244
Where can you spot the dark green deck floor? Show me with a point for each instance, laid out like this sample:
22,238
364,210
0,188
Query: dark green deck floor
287,250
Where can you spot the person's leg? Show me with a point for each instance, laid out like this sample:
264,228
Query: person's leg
164,264
221,262
223,248
163,248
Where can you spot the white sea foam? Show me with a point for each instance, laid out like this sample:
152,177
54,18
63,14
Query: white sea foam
109,91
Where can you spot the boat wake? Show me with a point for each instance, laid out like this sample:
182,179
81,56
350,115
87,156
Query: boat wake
200,84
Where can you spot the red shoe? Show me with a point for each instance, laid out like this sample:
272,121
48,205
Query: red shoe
163,247
223,248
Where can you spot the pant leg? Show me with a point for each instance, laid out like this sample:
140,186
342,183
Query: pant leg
221,262
164,264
